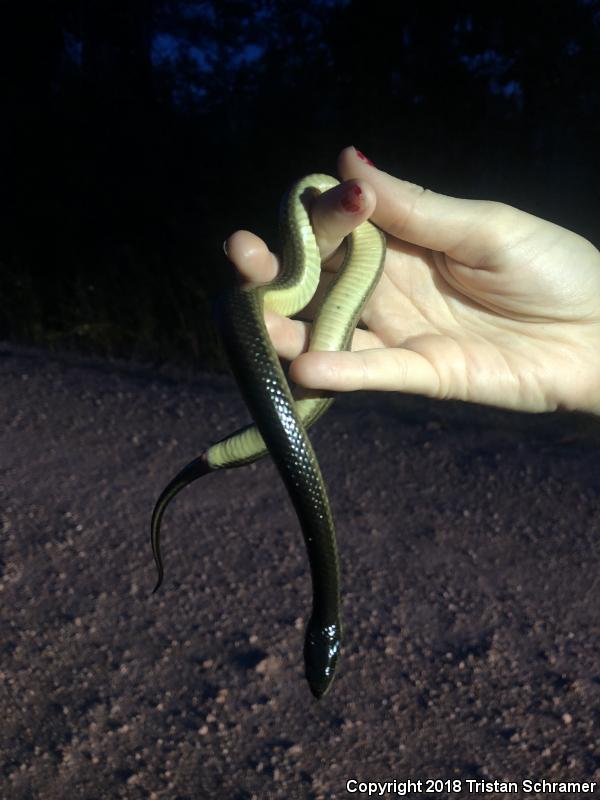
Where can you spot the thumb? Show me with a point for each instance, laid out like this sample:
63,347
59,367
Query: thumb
471,231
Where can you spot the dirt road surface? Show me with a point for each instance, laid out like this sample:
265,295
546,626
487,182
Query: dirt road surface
470,551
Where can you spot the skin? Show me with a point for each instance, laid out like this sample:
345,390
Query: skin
478,301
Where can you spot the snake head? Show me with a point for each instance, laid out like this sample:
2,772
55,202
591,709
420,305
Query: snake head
321,650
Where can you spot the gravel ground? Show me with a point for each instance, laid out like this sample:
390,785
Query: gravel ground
470,552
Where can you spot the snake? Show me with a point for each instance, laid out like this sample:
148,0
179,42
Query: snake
280,416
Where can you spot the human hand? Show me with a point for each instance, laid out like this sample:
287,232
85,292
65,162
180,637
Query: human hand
478,301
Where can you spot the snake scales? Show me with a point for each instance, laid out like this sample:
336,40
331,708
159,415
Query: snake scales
280,420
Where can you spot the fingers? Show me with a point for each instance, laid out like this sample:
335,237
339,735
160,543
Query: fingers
292,337
472,231
382,369
337,212
334,215
289,337
251,257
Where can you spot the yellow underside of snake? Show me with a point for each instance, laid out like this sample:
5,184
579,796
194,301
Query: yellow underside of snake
280,419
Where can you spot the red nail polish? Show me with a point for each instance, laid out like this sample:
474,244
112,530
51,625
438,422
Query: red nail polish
363,157
351,199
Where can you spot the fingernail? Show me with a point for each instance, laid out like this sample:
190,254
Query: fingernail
363,157
351,198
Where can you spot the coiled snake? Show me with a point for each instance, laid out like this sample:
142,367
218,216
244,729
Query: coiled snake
280,418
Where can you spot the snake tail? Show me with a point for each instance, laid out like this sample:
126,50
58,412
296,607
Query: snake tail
264,387
195,469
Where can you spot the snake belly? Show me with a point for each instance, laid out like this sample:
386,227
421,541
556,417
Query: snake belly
280,419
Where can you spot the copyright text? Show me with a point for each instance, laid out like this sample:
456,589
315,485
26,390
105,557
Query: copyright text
458,785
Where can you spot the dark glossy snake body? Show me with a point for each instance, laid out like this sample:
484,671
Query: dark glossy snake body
280,419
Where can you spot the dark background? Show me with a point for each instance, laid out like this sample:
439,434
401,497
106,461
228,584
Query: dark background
137,134
134,137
